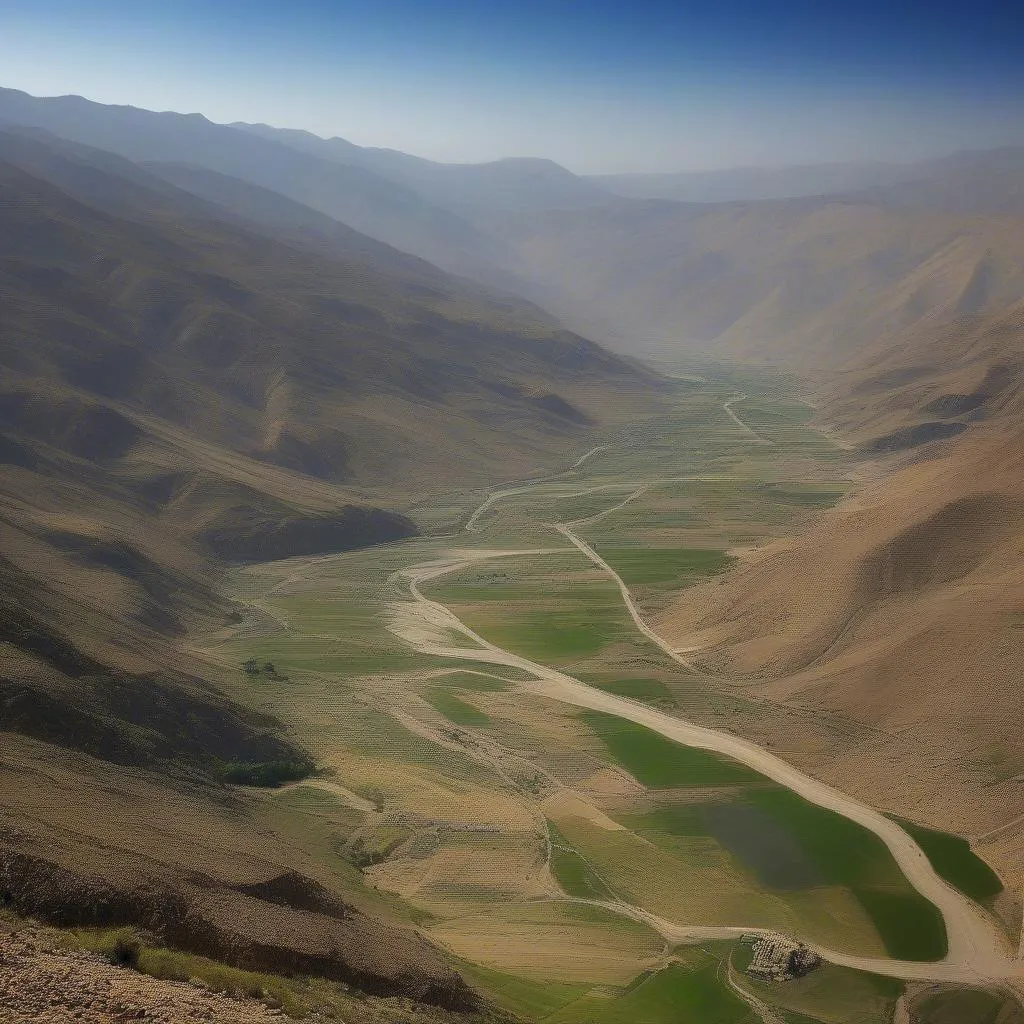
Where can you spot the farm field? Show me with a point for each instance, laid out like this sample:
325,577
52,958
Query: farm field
554,851
953,858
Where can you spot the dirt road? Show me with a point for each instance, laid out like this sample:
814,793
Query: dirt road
473,523
977,949
727,406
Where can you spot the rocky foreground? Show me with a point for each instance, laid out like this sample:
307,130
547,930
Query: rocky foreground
43,983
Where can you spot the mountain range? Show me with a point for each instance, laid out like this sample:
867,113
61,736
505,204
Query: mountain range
231,343
807,279
187,384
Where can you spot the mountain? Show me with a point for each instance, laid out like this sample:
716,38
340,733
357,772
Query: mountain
807,281
182,389
185,308
804,281
989,181
365,201
515,183
895,617
750,183
251,206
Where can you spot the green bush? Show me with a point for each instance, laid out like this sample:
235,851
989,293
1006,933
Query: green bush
269,774
126,948
121,946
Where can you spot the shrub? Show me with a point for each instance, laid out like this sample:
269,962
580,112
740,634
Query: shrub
126,948
269,774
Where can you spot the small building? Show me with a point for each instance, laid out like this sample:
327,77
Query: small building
780,959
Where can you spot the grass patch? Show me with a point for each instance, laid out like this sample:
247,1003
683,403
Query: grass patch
665,565
660,763
570,634
572,872
650,691
911,927
967,1006
532,1000
953,859
454,708
474,683
806,496
676,994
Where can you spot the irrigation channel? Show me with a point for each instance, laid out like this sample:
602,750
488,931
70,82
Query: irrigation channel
977,952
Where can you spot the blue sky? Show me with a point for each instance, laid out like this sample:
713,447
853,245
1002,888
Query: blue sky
599,85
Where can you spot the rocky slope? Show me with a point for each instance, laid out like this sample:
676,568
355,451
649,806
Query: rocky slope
181,388
45,978
47,984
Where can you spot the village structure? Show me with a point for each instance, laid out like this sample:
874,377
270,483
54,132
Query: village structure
778,958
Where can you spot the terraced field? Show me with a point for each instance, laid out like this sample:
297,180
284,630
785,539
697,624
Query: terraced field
559,852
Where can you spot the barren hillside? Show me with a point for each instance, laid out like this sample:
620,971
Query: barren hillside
899,612
805,282
180,391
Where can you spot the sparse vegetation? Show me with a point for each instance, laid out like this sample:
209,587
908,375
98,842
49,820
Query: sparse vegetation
270,774
255,669
454,708
296,997
572,872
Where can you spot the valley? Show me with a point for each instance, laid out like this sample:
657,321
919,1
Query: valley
561,799
375,647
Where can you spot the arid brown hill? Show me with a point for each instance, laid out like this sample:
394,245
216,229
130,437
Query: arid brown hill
897,616
179,389
356,196
806,282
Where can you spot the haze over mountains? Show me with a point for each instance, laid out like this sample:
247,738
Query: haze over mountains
187,384
807,279
976,174
230,343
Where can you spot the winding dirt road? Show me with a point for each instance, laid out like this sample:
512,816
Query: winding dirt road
978,951
473,523
727,406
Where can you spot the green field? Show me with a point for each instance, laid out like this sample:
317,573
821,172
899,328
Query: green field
955,861
665,565
783,840
678,993
454,708
556,609
572,872
967,1006
659,763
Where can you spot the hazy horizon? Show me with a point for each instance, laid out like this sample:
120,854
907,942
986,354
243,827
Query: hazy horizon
604,87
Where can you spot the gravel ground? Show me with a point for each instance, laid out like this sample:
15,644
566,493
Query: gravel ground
41,983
